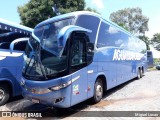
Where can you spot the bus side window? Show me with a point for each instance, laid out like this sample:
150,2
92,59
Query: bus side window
109,35
85,22
20,46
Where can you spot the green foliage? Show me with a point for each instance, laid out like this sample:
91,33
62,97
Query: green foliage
156,61
66,6
123,26
155,41
131,19
146,40
36,11
92,10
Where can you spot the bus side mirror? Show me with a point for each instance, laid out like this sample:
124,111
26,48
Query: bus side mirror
90,52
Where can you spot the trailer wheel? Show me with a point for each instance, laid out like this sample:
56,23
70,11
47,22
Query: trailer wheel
4,94
98,91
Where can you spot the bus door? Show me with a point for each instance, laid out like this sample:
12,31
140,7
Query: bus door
78,69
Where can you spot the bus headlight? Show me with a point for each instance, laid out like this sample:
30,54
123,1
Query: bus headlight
58,87
40,91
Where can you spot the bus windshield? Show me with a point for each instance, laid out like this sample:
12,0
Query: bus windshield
45,59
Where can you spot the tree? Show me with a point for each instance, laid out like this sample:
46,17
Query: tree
146,40
131,19
36,11
123,26
155,41
92,10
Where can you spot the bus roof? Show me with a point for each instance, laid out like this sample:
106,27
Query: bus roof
76,13
68,15
4,24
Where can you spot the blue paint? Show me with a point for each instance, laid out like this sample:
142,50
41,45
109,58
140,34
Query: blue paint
117,56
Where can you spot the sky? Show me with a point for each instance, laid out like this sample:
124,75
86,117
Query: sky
8,9
150,8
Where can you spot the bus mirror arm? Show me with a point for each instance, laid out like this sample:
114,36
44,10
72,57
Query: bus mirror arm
11,51
11,48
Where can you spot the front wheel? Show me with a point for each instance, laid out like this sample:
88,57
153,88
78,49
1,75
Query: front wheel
4,94
98,91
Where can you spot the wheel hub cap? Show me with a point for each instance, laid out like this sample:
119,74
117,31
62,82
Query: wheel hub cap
99,91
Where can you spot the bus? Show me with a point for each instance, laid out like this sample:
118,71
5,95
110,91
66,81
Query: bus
77,56
13,40
150,59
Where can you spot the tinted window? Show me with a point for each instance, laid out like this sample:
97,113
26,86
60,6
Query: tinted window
3,31
141,46
48,35
111,36
89,22
149,53
78,52
10,36
4,45
20,45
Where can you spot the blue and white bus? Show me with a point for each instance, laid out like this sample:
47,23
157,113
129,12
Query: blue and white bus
77,56
13,40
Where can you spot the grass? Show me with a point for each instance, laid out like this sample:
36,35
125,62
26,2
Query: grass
152,68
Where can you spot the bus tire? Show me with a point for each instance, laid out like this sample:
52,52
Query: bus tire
98,91
4,94
139,73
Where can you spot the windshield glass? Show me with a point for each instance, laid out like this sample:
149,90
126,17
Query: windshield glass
45,59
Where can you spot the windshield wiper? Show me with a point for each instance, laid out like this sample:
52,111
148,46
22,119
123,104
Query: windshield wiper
40,63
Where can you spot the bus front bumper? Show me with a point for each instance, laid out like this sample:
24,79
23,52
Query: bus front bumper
59,98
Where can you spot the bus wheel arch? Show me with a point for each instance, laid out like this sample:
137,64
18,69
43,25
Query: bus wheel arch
99,87
5,92
104,81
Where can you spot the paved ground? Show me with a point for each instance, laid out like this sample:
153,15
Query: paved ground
135,95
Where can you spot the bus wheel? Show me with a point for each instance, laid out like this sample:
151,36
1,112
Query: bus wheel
98,91
139,73
4,94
